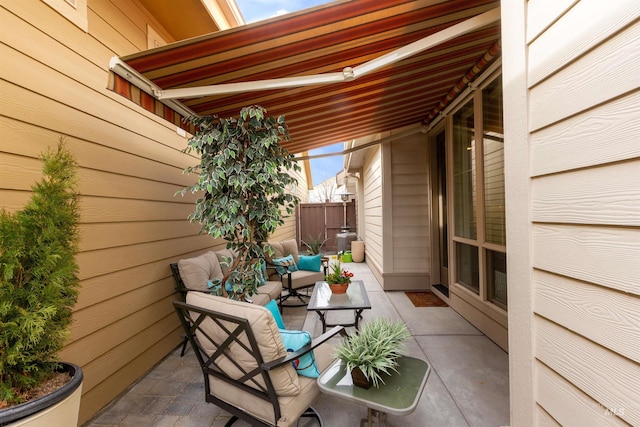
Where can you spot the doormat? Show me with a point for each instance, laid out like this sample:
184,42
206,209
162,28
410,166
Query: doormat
425,299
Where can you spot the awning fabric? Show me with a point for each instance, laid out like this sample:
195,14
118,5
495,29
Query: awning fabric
326,39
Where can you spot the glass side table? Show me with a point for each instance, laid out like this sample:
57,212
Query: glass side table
323,300
399,395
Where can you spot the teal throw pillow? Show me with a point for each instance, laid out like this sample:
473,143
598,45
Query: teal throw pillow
216,288
272,306
263,273
310,262
293,341
285,264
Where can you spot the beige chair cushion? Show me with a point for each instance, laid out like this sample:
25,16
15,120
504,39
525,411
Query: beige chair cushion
284,248
302,278
260,299
285,379
272,289
290,406
195,272
221,254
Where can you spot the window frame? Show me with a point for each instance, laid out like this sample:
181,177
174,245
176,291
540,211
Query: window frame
482,293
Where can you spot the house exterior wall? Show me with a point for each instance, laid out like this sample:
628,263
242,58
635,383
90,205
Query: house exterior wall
288,230
371,230
53,83
409,217
573,196
395,212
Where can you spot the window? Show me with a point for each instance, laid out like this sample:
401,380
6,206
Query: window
74,10
464,172
479,195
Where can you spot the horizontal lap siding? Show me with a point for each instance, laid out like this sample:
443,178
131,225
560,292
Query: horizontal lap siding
288,230
53,83
410,206
585,163
372,230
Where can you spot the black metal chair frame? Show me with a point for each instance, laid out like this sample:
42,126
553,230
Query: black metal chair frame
235,328
295,293
182,289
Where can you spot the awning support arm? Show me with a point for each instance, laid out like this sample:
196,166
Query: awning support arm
348,74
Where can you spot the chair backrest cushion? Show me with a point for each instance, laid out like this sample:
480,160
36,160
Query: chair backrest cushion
284,248
196,272
221,255
265,331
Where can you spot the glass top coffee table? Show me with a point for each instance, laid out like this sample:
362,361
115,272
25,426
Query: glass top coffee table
323,300
399,395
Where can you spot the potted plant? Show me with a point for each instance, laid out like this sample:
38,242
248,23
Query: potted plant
243,175
338,279
314,244
39,287
373,351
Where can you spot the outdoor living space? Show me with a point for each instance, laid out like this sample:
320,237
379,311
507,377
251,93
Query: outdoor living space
468,384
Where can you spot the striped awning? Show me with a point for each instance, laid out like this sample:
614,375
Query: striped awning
327,40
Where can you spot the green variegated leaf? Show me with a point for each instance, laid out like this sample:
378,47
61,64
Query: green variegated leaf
243,171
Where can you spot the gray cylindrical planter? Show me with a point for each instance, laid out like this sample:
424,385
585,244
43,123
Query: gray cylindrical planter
58,409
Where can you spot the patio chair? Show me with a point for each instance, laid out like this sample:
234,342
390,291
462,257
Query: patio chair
192,274
294,280
247,371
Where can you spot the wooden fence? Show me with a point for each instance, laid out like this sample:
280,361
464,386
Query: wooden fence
324,219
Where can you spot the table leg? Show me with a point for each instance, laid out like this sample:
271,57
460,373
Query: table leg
373,415
358,316
323,320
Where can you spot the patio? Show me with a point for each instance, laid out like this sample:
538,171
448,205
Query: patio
468,385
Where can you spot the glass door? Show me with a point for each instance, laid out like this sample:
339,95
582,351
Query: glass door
441,249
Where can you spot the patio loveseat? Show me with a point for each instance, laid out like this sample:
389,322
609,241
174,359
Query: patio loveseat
194,274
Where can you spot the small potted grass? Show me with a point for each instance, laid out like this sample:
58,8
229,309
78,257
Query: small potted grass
373,351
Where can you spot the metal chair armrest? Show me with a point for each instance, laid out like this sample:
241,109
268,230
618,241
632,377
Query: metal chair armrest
307,348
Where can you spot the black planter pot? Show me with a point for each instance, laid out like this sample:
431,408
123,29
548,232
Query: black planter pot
18,412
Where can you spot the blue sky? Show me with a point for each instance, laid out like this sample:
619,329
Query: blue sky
326,167
257,10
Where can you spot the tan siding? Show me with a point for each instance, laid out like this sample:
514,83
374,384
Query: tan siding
584,204
108,235
410,210
590,80
132,225
540,15
104,31
372,229
602,255
609,318
107,17
602,195
607,377
543,419
607,133
568,404
582,27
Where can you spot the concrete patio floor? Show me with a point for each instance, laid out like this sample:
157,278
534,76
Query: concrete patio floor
468,385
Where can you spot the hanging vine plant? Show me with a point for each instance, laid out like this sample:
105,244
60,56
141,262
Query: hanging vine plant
244,179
